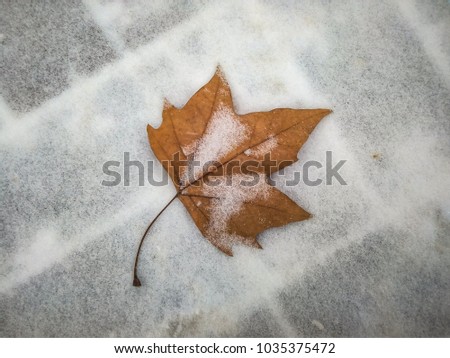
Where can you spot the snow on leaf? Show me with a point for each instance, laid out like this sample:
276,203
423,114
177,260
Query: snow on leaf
219,162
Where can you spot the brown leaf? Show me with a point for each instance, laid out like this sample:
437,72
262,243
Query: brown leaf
242,148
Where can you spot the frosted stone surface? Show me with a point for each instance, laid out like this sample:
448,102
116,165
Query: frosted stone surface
81,80
44,47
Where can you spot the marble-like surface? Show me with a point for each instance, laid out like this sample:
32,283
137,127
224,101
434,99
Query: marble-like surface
81,80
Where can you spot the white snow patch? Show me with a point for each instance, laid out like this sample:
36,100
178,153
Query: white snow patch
263,148
318,324
230,194
223,134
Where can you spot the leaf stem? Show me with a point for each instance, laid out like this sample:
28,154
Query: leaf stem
136,281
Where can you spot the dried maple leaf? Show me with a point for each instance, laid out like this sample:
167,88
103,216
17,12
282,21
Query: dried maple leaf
219,162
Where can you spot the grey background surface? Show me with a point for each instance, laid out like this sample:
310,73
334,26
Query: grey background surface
81,80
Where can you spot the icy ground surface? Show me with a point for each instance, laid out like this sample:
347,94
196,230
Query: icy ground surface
81,80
